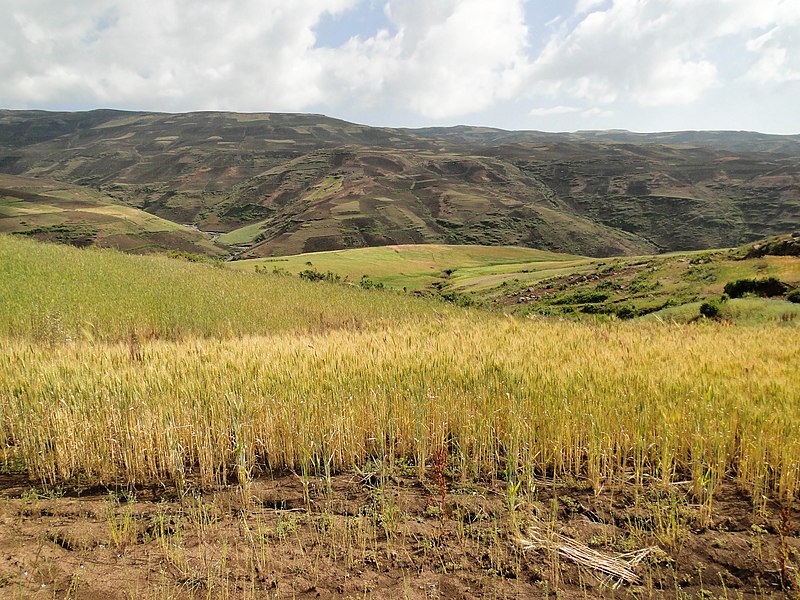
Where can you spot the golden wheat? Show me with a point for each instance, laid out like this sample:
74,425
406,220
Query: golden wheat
521,398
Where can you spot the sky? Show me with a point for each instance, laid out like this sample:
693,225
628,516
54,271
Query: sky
551,65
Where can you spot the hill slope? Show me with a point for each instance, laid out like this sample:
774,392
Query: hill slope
55,293
52,211
531,282
276,184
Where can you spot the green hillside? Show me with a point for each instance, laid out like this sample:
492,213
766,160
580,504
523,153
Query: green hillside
55,293
413,267
532,282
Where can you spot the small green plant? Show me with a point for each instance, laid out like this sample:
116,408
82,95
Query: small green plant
457,299
794,296
43,493
264,270
626,312
194,257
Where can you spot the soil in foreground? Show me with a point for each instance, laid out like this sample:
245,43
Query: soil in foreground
393,536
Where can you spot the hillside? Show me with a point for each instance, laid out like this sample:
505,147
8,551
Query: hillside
278,184
49,210
55,294
415,268
530,282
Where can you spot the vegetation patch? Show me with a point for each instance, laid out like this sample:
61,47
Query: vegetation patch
65,233
768,287
587,297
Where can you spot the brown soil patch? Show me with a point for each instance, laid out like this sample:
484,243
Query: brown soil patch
358,536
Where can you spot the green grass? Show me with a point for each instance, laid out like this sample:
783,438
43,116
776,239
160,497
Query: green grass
243,235
528,281
54,292
479,279
639,285
742,311
328,187
415,267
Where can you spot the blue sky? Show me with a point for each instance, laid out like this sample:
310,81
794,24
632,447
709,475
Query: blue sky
643,65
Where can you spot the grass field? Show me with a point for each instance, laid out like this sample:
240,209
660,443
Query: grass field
58,293
259,432
415,267
532,282
243,235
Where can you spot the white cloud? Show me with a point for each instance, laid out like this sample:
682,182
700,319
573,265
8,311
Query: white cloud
585,6
554,110
447,58
440,60
778,55
635,49
774,66
597,112
570,110
674,81
170,54
660,52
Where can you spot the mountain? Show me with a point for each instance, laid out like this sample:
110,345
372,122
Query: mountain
276,184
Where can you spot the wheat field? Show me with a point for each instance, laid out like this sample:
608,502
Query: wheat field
188,408
519,399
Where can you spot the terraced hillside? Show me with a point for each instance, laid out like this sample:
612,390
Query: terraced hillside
49,210
277,184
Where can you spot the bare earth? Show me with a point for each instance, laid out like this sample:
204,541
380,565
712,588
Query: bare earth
360,535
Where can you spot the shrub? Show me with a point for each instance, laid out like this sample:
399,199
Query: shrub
462,300
794,296
768,287
314,275
588,297
710,310
626,312
369,284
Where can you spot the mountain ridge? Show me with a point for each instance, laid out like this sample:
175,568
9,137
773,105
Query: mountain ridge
284,183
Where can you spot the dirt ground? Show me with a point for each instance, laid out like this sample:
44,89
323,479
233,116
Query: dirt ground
362,535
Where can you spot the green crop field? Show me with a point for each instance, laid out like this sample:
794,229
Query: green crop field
533,282
53,292
414,266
